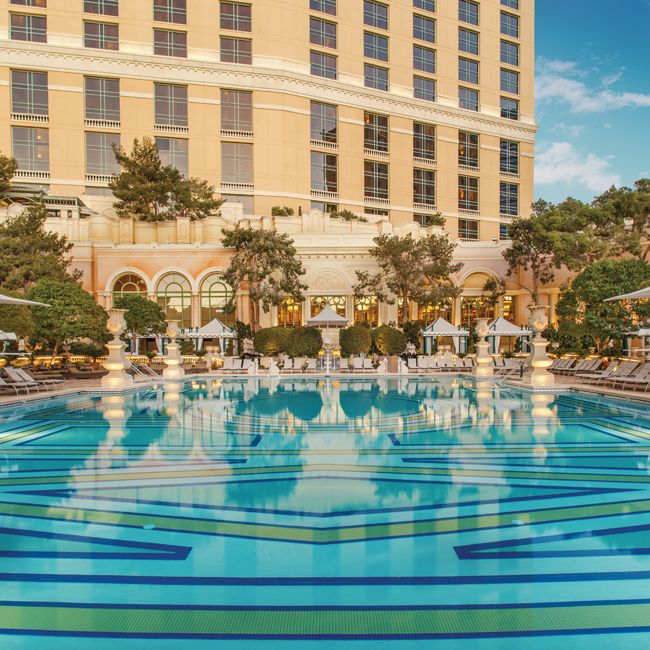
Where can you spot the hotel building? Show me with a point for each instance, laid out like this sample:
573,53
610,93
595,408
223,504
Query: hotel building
393,109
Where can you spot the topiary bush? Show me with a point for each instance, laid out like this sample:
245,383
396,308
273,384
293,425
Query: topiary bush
355,340
304,342
389,340
271,340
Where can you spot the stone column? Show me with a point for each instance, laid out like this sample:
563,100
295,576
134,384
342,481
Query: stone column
539,376
116,362
484,366
173,356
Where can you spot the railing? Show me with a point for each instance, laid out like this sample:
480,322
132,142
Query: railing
468,239
424,161
375,201
324,194
470,213
170,128
32,174
236,135
324,145
424,207
102,124
469,168
99,178
237,187
377,154
29,117
509,175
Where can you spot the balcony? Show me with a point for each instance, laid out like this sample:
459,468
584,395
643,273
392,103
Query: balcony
171,128
424,207
102,124
29,117
324,194
321,144
239,188
510,175
103,179
31,174
428,162
231,134
469,168
469,213
367,200
376,154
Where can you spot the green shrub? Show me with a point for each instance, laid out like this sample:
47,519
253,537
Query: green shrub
86,350
271,340
389,340
304,342
187,347
412,331
355,340
277,211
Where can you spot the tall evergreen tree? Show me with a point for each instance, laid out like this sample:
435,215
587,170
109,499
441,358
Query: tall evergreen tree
8,167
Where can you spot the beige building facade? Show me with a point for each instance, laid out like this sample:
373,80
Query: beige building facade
394,109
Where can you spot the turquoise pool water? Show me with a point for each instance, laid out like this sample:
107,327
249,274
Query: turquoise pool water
313,513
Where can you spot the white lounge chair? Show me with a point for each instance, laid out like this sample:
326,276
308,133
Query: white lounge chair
357,364
311,366
344,365
367,365
227,364
298,364
412,364
45,383
17,387
288,365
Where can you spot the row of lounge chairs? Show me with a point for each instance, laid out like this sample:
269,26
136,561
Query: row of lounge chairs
19,381
432,364
624,374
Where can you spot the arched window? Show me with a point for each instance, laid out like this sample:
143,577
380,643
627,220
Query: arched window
290,313
473,307
129,284
366,310
174,295
215,296
429,312
317,304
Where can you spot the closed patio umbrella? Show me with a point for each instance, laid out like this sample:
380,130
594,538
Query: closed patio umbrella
641,294
8,300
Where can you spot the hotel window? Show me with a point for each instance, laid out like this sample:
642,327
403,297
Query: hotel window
101,36
424,141
509,25
102,97
375,77
468,12
424,220
171,104
29,93
102,7
509,108
424,88
170,11
375,46
468,229
424,28
100,158
337,303
30,3
168,43
424,59
468,98
236,50
366,311
237,163
323,122
323,65
31,148
289,313
129,284
504,231
468,193
26,27
509,158
322,32
174,152
324,207
468,41
431,311
216,296
375,180
427,5
174,295
509,199
509,81
245,200
509,53
424,187
237,110
512,4
375,14
236,16
468,149
474,307
467,70
324,172
375,132
324,6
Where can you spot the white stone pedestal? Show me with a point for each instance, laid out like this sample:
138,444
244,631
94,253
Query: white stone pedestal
484,363
539,376
117,362
173,357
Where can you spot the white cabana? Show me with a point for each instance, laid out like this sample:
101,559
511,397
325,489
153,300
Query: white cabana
327,318
215,329
644,334
641,294
441,328
8,300
501,327
7,336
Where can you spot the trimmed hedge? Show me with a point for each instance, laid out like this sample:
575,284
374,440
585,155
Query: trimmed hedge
355,340
304,342
271,340
389,340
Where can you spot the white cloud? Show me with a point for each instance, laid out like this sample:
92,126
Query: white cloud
573,130
562,163
559,81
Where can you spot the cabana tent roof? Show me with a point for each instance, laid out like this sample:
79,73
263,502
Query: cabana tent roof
442,327
7,336
8,300
502,327
215,329
327,318
641,294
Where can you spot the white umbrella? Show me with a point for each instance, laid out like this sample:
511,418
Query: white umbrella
327,318
7,336
641,294
8,300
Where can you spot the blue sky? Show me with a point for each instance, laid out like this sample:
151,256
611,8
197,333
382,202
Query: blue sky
592,96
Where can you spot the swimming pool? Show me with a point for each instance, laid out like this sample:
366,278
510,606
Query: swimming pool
314,513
